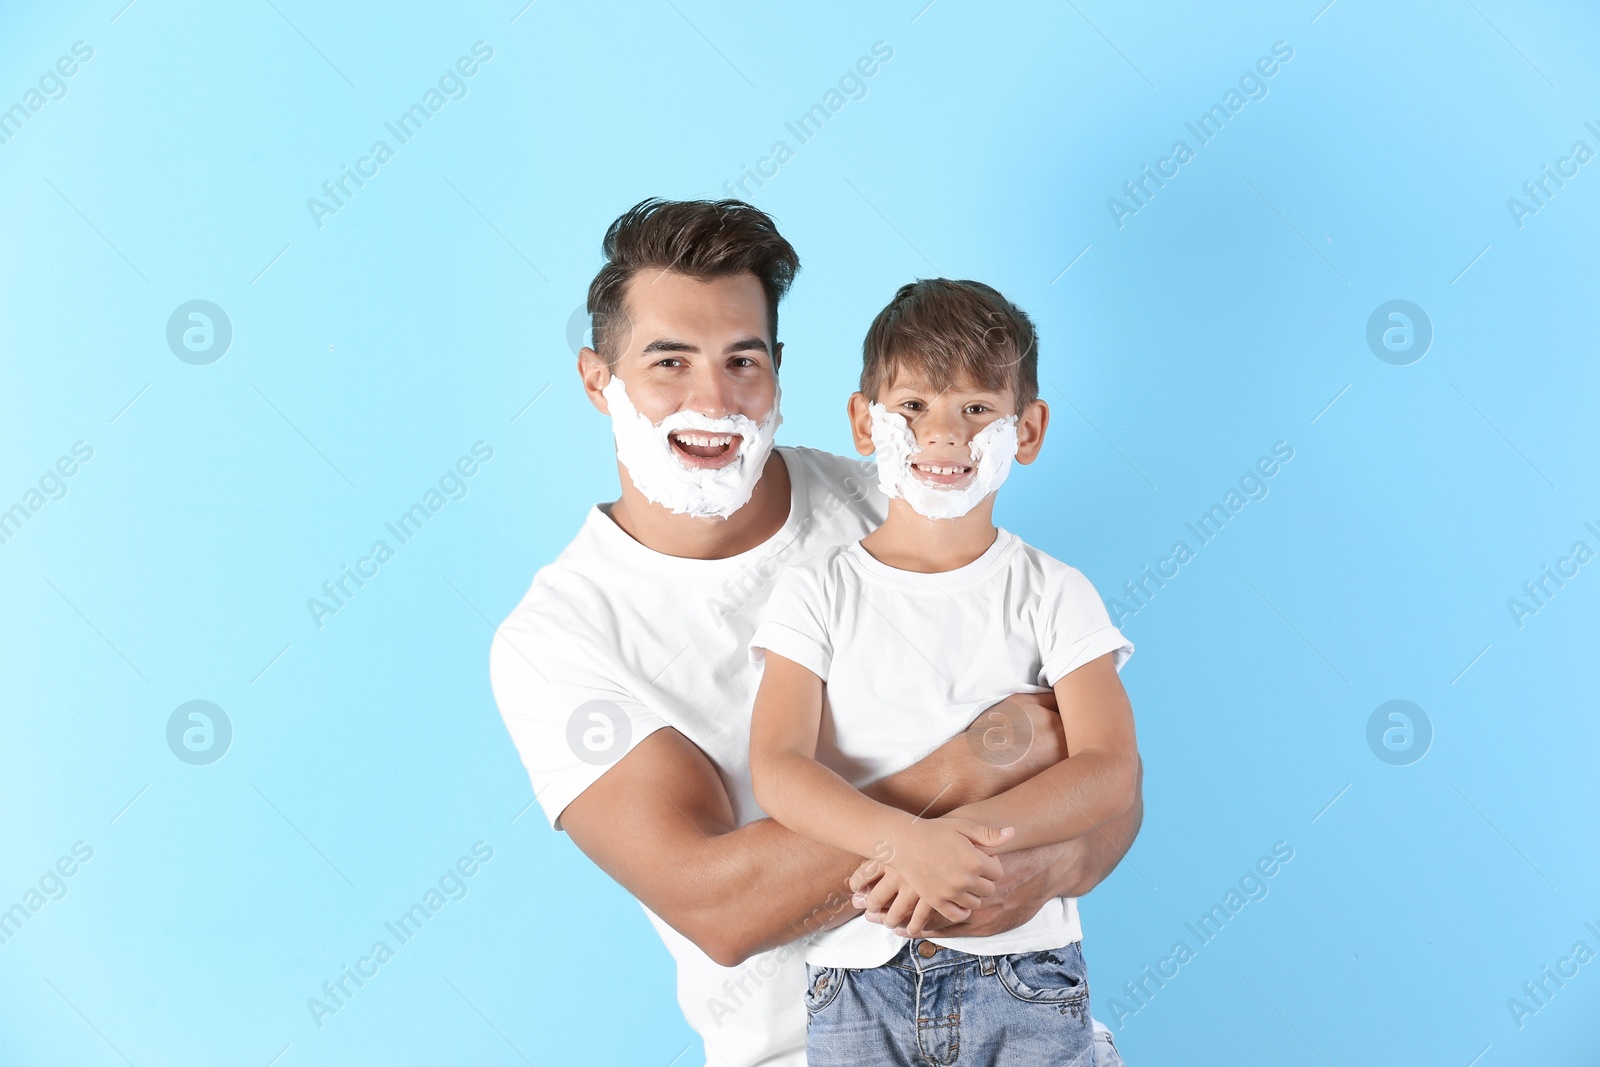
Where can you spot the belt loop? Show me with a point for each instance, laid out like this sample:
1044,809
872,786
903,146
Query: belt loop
987,966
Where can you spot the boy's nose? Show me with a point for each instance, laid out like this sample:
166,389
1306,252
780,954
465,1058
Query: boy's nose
939,429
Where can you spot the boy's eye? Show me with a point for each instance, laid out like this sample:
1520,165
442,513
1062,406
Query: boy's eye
911,405
976,409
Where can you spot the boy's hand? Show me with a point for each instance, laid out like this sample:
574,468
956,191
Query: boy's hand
943,865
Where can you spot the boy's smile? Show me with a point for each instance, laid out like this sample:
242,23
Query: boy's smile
946,474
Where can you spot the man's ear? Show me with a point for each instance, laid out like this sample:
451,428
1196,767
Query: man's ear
861,423
1030,430
777,358
596,374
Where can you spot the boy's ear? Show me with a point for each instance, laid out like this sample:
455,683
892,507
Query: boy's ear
596,375
1031,425
861,424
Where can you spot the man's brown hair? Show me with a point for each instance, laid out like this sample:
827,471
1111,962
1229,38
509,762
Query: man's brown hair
704,239
946,331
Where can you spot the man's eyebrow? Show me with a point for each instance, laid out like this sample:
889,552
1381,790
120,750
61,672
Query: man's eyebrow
747,344
666,344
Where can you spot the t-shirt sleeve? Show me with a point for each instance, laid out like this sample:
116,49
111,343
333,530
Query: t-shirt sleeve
792,623
569,721
1074,627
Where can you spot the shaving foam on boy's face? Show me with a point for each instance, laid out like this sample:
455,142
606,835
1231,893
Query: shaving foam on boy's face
946,489
689,463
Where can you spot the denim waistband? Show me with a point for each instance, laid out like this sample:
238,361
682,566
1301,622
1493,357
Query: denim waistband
910,959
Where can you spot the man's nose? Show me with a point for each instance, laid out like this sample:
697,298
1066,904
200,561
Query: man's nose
711,394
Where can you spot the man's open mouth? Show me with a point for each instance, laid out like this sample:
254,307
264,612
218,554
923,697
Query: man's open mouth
942,475
699,450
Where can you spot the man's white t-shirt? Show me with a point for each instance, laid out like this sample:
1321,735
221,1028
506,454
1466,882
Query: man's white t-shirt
614,641
910,659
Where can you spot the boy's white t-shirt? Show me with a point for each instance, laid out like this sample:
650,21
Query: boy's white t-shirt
613,641
910,660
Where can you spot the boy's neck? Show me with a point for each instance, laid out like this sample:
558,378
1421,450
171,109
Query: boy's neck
908,541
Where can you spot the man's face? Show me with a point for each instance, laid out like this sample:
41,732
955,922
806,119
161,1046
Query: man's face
697,346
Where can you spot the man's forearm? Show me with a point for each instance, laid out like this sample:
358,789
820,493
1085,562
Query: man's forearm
773,886
1032,876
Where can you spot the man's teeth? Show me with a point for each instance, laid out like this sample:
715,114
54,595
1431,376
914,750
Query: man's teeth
702,440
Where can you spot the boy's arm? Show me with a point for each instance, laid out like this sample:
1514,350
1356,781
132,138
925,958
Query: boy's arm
660,823
1099,780
1033,876
790,785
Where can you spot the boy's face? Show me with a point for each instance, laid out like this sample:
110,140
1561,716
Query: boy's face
944,424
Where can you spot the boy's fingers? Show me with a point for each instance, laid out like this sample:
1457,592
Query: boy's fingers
966,901
991,868
862,878
882,894
919,917
898,912
981,887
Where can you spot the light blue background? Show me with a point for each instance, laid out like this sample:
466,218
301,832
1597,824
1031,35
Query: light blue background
369,353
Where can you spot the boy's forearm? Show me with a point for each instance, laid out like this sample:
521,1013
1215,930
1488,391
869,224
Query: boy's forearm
817,803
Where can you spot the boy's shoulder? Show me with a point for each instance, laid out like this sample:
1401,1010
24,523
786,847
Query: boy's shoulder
1049,572
1027,554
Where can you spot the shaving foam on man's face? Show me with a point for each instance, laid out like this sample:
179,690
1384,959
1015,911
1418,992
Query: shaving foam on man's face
946,488
689,463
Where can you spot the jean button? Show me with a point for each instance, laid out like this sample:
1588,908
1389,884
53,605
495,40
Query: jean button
927,950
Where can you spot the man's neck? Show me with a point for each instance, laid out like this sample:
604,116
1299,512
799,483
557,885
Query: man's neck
912,542
658,529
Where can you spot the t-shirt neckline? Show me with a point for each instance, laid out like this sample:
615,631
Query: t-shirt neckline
978,568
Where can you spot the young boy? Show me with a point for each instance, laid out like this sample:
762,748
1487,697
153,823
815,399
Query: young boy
878,651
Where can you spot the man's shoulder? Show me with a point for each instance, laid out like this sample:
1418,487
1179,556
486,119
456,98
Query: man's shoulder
565,592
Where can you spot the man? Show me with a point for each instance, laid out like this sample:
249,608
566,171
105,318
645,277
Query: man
623,674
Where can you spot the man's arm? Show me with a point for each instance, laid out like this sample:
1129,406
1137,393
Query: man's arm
1098,722
1097,782
659,821
1068,869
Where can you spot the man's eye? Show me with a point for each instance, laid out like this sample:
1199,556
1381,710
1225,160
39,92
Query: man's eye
743,361
670,361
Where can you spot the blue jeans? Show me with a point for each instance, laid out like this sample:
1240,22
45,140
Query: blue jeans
952,1009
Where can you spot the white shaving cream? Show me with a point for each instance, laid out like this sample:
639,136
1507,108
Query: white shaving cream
658,473
992,451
